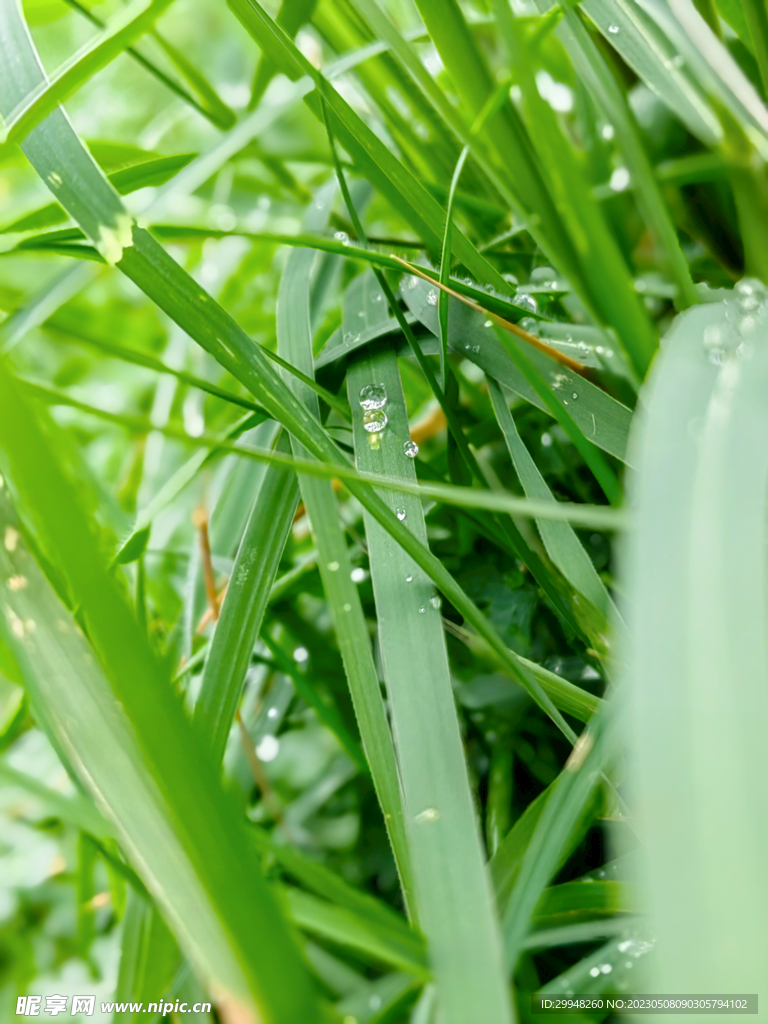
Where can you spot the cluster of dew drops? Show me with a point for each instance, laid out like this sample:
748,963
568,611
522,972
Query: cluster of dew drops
373,398
744,313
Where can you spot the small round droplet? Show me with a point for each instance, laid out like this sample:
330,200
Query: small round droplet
411,449
619,179
614,29
574,395
374,420
423,610
341,236
357,575
401,514
529,324
524,301
350,338
430,814
409,579
373,396
432,297
436,602
607,132
333,567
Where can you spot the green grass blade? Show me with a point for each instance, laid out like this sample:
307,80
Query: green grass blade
563,546
347,928
209,103
696,604
507,862
380,165
242,611
149,957
101,215
450,884
599,416
132,22
445,269
643,45
74,810
127,736
295,342
592,69
559,817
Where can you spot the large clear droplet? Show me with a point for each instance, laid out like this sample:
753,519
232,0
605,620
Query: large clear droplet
374,420
529,324
411,449
525,301
373,396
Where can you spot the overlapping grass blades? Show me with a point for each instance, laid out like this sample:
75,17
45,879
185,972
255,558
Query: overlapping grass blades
110,707
295,342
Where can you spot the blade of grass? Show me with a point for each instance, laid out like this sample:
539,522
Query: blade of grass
132,22
295,341
643,45
450,885
381,167
445,269
209,105
701,495
563,546
559,817
595,516
126,735
599,416
593,70
608,285
237,629
101,215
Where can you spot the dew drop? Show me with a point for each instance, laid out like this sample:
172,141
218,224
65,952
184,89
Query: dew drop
605,968
619,179
357,575
529,324
350,338
423,610
401,514
436,602
373,396
268,749
607,132
374,420
341,236
409,579
594,971
432,297
574,395
525,301
411,449
614,29
430,814
333,567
